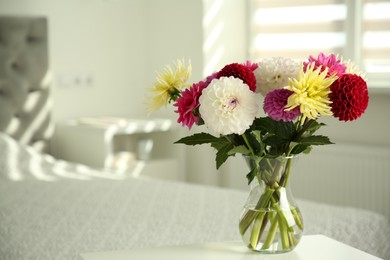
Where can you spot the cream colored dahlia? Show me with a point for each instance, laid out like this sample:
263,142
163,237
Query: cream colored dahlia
352,68
274,73
228,106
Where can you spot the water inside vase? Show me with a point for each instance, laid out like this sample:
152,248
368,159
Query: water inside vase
272,238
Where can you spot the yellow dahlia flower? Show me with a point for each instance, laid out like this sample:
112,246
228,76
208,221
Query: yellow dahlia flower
311,91
168,85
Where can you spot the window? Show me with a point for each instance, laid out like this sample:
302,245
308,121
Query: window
356,29
376,41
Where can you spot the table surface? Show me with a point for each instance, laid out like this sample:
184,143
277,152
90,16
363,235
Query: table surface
317,247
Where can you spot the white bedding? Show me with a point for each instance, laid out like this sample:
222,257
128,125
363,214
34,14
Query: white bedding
61,215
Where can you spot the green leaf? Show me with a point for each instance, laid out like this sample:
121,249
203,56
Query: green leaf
314,126
253,142
308,150
276,134
239,149
251,175
223,154
315,140
200,138
284,130
264,124
260,146
299,148
274,140
219,143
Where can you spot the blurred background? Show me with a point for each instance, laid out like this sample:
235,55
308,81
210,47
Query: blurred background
104,54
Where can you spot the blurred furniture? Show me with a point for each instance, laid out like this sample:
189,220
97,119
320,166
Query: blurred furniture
118,144
24,80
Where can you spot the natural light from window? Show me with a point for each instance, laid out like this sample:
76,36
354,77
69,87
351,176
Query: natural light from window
301,14
377,37
356,30
300,40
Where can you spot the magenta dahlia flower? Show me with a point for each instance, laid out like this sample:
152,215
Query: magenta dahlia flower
331,62
251,65
349,97
239,71
275,105
188,104
210,78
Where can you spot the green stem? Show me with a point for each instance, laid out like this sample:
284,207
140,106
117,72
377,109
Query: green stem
255,234
283,231
271,233
305,126
251,215
258,218
297,218
248,144
284,179
293,240
283,225
229,140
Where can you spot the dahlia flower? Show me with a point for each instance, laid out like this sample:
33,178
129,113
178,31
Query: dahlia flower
252,66
311,91
228,106
188,104
352,68
274,74
349,97
210,78
240,71
168,85
331,62
275,105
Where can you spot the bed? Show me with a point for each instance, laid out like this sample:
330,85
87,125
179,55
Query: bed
51,209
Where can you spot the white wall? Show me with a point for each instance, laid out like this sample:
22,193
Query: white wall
173,30
119,43
224,42
105,39
124,42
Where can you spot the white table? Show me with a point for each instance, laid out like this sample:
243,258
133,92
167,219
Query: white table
316,247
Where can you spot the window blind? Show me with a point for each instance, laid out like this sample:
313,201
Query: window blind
376,41
356,29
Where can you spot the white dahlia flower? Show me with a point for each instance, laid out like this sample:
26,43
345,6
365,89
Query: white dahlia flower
228,106
273,74
352,68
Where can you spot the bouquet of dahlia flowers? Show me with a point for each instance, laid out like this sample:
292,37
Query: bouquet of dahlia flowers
296,95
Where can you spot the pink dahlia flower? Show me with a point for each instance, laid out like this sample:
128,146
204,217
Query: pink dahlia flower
252,66
210,78
275,105
187,105
334,65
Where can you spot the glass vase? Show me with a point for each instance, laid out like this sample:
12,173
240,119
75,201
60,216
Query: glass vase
271,221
